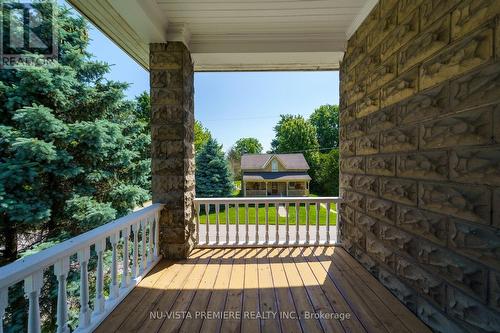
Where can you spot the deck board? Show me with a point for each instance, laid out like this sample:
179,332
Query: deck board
286,281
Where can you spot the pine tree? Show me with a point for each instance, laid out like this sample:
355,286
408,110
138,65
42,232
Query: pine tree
74,153
213,176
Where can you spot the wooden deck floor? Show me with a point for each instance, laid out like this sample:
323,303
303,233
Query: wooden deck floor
261,290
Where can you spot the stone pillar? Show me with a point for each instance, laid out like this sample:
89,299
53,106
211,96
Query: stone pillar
172,130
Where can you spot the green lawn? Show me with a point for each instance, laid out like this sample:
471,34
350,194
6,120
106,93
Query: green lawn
271,214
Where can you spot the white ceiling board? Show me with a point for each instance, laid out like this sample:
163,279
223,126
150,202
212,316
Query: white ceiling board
265,34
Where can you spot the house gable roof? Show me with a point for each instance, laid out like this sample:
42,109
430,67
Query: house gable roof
260,161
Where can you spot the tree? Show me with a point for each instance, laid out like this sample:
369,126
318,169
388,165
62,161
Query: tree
68,141
242,146
328,173
248,146
201,135
74,154
295,134
326,120
213,177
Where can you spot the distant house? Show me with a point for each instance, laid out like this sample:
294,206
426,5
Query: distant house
274,175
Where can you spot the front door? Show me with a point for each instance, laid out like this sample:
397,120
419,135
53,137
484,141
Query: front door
282,189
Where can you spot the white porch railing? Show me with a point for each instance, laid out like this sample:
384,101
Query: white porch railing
143,223
285,221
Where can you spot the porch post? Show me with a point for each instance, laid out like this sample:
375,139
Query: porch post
172,129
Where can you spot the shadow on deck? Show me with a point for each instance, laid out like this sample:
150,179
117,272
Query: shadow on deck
309,289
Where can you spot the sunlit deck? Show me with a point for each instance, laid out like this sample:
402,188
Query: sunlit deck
261,290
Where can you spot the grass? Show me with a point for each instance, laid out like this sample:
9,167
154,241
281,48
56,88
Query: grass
271,214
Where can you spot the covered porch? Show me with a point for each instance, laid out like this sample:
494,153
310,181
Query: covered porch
296,188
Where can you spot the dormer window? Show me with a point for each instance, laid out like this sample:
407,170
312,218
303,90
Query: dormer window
274,165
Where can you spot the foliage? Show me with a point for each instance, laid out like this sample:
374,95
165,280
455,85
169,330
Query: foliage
201,135
247,146
68,133
295,134
74,153
326,120
310,137
242,146
213,177
327,175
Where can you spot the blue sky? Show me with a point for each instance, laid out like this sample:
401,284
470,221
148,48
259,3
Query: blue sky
233,105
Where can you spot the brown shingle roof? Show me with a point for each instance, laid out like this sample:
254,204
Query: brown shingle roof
259,161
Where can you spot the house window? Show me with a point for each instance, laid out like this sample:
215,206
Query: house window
274,165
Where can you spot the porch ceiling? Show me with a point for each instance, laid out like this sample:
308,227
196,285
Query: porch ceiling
232,35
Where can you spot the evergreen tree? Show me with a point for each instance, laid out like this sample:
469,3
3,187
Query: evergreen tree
74,153
213,177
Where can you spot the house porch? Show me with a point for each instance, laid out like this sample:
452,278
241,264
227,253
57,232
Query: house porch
275,188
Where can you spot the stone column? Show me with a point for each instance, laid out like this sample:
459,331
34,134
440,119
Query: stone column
172,130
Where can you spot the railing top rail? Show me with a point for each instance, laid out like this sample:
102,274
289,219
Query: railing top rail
252,200
20,269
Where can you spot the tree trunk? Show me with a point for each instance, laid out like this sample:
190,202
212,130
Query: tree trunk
9,233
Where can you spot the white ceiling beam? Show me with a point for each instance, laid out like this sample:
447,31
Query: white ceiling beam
209,62
145,17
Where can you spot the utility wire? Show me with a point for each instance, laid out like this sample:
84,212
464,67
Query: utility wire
305,150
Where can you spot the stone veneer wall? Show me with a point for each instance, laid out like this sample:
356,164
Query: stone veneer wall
172,128
420,157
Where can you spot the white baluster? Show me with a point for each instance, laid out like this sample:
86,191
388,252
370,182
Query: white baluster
83,260
157,235
100,247
256,223
246,224
308,235
135,249
207,223
113,287
125,276
328,223
276,206
266,207
226,207
144,260
297,236
317,222
4,302
61,269
237,209
287,235
32,286
197,224
217,207
337,219
150,241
